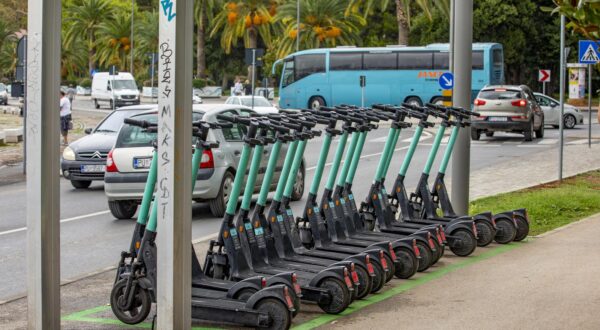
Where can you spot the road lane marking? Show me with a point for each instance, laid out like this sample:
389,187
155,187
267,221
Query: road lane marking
79,217
312,168
548,141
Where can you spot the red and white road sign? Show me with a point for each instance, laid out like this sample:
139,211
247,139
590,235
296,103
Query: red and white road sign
544,75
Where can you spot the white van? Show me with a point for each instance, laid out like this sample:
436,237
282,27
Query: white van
120,89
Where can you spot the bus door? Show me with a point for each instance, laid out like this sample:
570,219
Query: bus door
287,89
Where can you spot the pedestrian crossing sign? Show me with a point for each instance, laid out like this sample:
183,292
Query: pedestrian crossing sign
588,51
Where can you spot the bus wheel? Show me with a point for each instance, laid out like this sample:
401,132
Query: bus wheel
413,100
316,102
438,100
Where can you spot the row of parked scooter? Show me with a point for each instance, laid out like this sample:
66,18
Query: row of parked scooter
266,260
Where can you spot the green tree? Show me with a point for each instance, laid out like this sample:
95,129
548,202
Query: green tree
322,24
84,19
204,12
114,40
583,16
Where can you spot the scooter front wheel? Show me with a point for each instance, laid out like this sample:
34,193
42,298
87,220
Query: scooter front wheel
409,263
426,256
140,307
522,228
391,266
463,242
379,278
485,233
505,232
365,283
279,315
340,296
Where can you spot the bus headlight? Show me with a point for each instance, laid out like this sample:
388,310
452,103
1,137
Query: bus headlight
68,154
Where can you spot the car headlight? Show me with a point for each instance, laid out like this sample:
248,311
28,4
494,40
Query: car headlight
68,154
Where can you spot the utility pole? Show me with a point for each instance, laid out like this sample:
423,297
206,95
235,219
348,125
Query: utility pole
461,97
298,25
562,96
131,39
174,171
43,193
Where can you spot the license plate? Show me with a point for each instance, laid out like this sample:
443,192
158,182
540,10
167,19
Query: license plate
140,163
498,119
93,168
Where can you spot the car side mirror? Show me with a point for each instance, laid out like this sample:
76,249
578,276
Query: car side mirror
108,88
88,131
554,105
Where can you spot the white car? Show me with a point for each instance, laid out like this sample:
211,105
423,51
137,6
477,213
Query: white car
119,89
261,104
551,107
196,99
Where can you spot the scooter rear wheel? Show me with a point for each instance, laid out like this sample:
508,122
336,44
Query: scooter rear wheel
340,296
439,251
485,233
245,294
141,304
409,263
464,242
522,228
505,232
365,282
426,256
379,279
279,315
391,266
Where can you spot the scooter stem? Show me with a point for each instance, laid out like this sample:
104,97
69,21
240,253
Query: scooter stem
448,152
337,159
386,151
411,150
348,160
356,157
252,174
142,218
291,179
314,188
285,171
434,149
268,177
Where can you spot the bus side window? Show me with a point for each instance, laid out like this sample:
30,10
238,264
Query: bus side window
380,61
415,60
345,61
309,64
288,73
477,60
441,61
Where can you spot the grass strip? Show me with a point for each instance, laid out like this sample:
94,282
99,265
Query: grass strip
550,205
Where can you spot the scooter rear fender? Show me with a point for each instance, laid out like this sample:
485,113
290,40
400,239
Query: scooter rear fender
254,283
337,272
273,292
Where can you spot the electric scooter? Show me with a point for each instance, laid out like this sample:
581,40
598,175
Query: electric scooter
135,289
331,288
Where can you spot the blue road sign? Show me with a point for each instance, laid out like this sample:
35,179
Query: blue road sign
588,52
446,80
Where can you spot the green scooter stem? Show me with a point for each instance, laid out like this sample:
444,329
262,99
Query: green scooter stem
148,191
268,177
251,180
388,159
285,171
433,152
314,188
196,159
411,150
348,160
384,155
152,221
449,148
291,179
238,180
337,159
356,157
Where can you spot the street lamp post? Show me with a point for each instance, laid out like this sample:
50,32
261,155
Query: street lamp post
131,38
298,25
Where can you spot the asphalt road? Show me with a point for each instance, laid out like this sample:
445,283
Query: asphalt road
91,239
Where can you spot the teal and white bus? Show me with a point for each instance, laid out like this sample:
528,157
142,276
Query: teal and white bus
394,74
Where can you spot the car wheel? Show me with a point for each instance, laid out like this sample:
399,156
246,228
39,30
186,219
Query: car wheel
539,133
529,132
79,184
316,102
218,204
569,121
413,100
438,100
123,209
489,133
475,134
96,104
299,185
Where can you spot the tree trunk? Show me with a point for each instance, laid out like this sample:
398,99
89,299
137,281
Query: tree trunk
402,19
200,48
252,43
224,82
92,55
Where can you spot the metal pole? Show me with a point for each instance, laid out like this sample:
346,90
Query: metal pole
562,96
253,74
544,87
112,88
451,46
131,38
461,97
298,25
152,78
590,105
175,166
43,193
25,106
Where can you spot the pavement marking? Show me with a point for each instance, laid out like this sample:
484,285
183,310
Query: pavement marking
312,168
581,141
548,141
79,217
84,315
360,304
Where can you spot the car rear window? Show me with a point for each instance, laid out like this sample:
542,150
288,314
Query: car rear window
113,122
135,137
500,94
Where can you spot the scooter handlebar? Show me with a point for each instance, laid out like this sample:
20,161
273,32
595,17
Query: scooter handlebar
139,123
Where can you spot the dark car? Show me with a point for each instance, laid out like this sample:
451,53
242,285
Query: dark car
84,160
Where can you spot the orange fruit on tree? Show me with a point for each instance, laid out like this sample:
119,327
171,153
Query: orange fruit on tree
293,34
231,17
247,21
231,6
256,20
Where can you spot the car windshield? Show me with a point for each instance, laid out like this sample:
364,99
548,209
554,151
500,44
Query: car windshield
113,122
2,88
134,136
124,84
500,94
258,102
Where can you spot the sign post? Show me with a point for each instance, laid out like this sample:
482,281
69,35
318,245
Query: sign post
544,77
446,82
253,57
589,54
112,72
363,84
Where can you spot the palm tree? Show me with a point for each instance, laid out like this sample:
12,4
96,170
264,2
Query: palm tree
322,24
147,33
73,58
113,40
245,19
403,12
83,19
204,12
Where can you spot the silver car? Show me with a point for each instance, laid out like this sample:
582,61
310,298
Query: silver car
128,162
571,117
3,94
